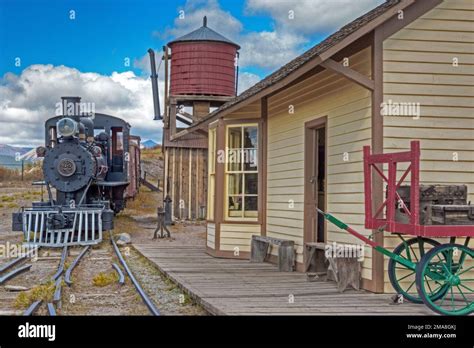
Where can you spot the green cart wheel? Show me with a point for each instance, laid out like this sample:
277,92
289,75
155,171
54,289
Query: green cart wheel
402,278
451,267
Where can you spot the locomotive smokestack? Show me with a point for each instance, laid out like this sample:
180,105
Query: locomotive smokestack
154,85
71,106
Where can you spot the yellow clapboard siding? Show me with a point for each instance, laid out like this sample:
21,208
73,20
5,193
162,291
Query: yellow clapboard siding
231,245
457,4
433,133
346,198
286,151
286,167
438,35
242,228
420,89
427,79
433,144
436,24
349,128
345,188
285,175
286,213
440,155
344,113
289,190
348,147
211,235
427,46
444,13
431,100
285,182
295,157
433,57
285,198
429,122
428,68
273,218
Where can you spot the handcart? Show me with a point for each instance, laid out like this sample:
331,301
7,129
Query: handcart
420,268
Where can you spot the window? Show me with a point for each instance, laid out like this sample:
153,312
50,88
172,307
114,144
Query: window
242,172
211,196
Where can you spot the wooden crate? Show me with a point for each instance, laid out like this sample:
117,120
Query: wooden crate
452,214
431,195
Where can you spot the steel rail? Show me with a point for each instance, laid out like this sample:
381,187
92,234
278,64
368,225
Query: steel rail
6,266
120,273
67,276
32,308
12,263
14,273
51,309
61,264
57,291
151,306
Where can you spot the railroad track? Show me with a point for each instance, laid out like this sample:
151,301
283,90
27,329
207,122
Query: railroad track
148,302
62,277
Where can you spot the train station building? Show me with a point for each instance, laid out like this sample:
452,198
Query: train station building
294,141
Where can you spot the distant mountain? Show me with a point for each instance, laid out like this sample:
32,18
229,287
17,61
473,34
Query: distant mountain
148,144
8,155
11,151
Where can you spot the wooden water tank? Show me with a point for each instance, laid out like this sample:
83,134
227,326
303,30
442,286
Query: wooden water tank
203,63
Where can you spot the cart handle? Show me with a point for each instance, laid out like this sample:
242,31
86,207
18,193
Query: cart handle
381,249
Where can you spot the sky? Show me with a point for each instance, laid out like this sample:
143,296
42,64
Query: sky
97,49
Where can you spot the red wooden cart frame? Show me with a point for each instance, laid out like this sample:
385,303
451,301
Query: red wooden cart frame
373,166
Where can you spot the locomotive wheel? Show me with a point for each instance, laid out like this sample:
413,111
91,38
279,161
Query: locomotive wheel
402,278
452,267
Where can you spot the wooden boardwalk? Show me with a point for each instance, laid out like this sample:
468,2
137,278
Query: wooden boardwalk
238,287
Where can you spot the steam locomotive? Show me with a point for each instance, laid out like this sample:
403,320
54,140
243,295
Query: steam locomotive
86,169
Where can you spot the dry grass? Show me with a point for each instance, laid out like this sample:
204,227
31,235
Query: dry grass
43,292
146,202
31,173
153,152
7,198
103,279
124,224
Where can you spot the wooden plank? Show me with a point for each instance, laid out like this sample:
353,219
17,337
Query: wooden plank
246,288
349,73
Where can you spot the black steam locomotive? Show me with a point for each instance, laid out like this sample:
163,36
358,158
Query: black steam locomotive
85,168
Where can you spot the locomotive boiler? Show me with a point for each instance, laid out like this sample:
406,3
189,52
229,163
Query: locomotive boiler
86,171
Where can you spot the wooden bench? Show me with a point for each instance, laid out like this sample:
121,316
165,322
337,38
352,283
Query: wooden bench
315,260
343,270
286,251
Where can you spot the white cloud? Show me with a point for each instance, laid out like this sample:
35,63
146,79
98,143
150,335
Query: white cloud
264,49
247,80
194,10
31,98
269,49
311,16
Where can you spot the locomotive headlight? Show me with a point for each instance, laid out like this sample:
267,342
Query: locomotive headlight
67,127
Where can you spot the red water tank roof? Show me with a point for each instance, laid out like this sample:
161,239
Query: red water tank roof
204,34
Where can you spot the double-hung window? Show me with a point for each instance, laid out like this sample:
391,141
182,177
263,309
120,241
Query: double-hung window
211,196
241,172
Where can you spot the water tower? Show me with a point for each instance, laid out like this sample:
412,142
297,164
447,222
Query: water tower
200,75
